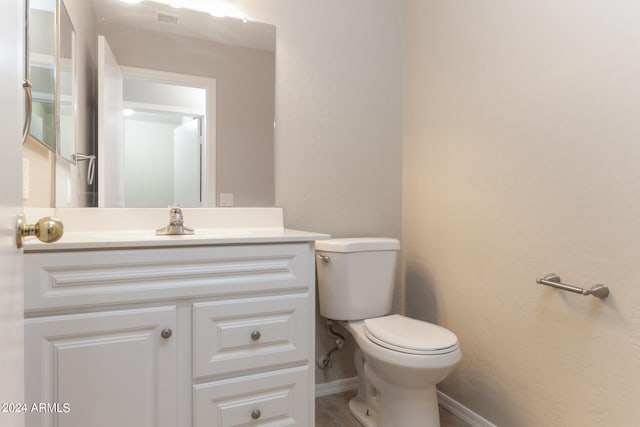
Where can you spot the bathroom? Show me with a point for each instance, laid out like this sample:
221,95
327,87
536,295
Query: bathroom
495,142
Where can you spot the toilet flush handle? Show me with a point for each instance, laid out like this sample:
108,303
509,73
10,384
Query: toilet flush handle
325,258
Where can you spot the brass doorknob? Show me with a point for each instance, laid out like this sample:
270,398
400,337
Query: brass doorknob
48,229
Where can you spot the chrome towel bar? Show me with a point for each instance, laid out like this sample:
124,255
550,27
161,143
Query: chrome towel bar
553,280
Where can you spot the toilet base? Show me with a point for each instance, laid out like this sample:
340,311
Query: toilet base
399,406
397,389
407,410
361,412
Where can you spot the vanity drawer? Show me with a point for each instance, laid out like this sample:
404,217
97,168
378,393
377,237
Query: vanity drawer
242,335
269,399
68,279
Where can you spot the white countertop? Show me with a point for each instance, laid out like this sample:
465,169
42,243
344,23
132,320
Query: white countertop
79,240
121,228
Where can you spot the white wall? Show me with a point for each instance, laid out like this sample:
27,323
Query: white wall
338,149
521,158
40,160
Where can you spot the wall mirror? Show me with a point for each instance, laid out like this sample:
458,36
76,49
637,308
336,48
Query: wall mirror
150,44
52,75
42,54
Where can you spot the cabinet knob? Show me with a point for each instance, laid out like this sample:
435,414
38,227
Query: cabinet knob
255,335
166,333
255,414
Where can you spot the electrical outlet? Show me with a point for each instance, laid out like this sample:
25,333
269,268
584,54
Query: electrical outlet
226,199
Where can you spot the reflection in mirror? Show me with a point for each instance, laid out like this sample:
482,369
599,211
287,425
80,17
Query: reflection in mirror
237,157
163,142
66,86
163,159
42,49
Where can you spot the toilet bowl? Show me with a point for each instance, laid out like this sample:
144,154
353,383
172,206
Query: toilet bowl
399,360
398,385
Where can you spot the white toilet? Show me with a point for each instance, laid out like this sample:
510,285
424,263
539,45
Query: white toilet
400,360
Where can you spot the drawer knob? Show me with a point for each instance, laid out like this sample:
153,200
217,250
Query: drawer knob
166,333
255,335
255,414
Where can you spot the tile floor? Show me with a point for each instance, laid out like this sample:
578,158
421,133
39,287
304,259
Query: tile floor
333,411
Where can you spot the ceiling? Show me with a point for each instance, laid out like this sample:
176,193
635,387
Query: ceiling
153,16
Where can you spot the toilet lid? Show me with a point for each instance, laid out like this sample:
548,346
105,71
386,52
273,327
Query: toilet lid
408,335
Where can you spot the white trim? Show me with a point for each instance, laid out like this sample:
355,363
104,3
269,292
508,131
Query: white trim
337,386
170,109
42,60
168,77
462,412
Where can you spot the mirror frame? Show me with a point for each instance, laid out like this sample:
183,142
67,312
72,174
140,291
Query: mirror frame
29,63
56,147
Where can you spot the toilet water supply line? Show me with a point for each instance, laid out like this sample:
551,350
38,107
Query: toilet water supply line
325,361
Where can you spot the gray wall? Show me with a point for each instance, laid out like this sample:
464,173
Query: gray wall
521,158
339,133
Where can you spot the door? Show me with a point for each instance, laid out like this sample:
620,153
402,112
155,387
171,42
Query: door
110,129
187,152
11,277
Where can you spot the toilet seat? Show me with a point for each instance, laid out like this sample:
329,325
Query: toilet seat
406,335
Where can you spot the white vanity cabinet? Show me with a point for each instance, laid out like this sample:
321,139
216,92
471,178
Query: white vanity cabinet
102,369
202,335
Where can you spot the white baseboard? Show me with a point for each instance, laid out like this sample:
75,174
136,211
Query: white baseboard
337,386
451,405
462,412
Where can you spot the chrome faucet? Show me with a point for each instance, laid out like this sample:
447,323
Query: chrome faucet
176,223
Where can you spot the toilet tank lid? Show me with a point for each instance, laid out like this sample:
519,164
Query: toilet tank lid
358,244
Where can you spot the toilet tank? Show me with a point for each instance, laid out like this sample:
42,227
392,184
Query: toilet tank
356,277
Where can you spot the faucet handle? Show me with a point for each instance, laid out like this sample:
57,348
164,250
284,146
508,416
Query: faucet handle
176,223
175,215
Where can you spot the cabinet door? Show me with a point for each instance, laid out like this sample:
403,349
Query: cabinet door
102,369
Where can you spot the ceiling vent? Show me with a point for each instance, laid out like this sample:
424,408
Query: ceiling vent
163,18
